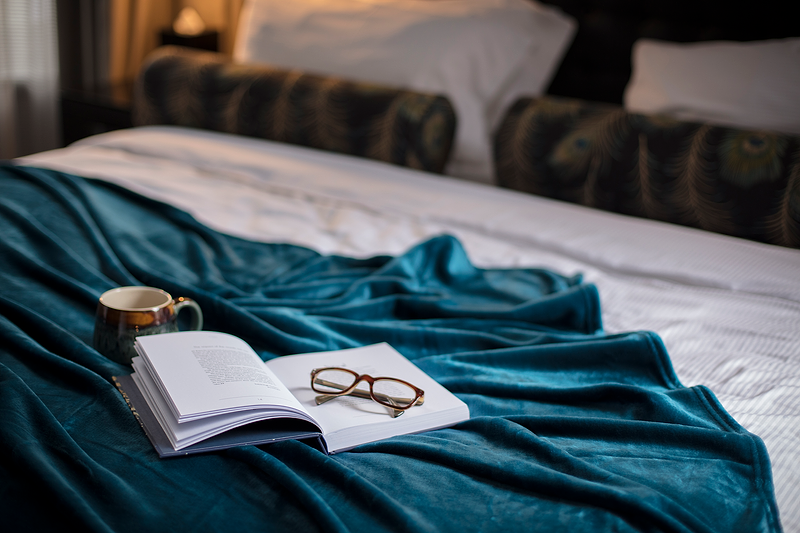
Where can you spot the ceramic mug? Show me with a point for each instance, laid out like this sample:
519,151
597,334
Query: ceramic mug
125,313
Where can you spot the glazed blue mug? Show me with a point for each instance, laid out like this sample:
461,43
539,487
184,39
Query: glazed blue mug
125,313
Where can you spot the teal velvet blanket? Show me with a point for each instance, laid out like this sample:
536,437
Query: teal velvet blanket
571,429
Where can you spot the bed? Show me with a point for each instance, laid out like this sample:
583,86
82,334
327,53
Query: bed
628,366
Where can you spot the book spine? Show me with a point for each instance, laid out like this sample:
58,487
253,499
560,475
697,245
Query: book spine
118,385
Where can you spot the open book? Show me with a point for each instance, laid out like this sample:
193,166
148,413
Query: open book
197,391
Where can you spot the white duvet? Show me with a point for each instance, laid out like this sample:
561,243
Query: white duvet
727,309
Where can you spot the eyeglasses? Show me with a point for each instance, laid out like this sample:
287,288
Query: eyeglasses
396,394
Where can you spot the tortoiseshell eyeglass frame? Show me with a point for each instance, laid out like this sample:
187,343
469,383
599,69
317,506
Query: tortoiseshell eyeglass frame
383,399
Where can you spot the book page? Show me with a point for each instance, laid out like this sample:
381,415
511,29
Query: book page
203,373
348,420
183,434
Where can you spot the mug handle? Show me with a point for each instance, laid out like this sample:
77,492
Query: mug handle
196,322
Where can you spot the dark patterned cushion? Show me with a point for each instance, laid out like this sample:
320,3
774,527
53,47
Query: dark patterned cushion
726,180
184,87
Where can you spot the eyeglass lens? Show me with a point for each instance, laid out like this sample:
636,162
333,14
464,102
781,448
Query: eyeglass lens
333,381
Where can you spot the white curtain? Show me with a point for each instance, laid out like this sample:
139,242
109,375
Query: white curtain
29,84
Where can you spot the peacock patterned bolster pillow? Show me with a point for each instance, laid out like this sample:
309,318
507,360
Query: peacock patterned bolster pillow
185,87
721,179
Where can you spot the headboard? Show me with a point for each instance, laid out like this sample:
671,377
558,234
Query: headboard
597,65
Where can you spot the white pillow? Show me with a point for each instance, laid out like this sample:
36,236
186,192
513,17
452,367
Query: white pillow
751,85
481,54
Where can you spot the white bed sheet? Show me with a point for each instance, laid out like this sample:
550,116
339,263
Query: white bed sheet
727,309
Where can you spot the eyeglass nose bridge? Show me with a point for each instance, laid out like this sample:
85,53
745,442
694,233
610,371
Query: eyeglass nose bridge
370,381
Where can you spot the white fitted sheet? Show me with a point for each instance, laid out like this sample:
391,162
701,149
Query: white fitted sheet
727,309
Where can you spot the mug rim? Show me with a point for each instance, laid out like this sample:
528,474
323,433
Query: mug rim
130,288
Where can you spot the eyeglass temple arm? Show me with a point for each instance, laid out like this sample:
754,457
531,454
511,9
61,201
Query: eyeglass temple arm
322,398
364,394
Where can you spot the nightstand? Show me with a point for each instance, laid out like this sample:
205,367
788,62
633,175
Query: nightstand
101,109
208,40
88,112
